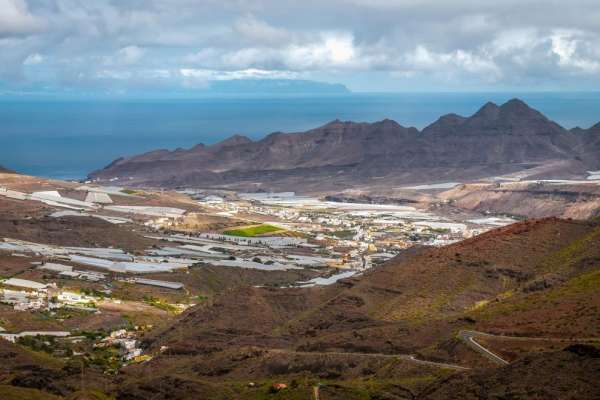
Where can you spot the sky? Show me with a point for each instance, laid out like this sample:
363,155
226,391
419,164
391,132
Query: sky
122,47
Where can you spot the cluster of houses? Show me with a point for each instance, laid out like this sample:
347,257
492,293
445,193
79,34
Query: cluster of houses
360,235
126,342
24,294
27,295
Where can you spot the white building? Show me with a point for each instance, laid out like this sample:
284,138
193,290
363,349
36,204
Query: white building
74,298
98,198
212,200
24,283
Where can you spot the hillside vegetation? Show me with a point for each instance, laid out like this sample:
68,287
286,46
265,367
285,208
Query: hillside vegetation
535,278
532,289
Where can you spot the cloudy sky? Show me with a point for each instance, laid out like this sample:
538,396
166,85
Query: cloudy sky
121,46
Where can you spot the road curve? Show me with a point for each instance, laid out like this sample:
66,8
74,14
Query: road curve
468,338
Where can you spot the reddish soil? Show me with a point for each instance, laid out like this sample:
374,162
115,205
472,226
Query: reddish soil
13,265
568,374
531,277
414,304
73,231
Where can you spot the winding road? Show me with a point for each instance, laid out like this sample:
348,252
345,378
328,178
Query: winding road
405,357
469,338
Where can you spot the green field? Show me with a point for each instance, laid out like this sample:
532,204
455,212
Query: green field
250,231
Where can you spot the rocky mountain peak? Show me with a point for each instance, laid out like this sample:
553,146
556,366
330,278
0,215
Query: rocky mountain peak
388,123
516,105
234,140
489,110
198,147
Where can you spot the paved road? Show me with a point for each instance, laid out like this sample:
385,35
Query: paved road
468,338
405,357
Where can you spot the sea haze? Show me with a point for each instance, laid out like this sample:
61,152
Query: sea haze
67,139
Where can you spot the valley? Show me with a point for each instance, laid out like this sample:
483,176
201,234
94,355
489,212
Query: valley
396,272
124,292
315,200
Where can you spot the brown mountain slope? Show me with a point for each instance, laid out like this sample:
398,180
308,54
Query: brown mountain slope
352,340
415,304
26,374
71,231
496,139
530,199
568,374
561,301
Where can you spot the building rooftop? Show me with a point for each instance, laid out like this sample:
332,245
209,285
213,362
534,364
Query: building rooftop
24,283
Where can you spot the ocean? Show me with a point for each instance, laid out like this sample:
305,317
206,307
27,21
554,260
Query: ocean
67,139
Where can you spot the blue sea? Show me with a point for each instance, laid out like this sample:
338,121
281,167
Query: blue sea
67,139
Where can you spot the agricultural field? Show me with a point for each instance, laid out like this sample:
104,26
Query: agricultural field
254,230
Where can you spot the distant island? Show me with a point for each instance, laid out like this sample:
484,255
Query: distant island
273,86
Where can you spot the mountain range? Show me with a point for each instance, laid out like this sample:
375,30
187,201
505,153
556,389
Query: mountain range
493,141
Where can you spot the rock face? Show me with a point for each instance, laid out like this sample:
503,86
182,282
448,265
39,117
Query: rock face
589,145
496,139
528,199
511,133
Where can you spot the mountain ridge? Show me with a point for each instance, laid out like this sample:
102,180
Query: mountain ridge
494,140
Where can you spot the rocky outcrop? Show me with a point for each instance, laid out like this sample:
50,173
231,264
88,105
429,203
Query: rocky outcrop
527,199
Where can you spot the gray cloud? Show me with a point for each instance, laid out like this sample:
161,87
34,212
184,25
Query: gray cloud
16,20
366,44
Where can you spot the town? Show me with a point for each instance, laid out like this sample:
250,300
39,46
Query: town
89,299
